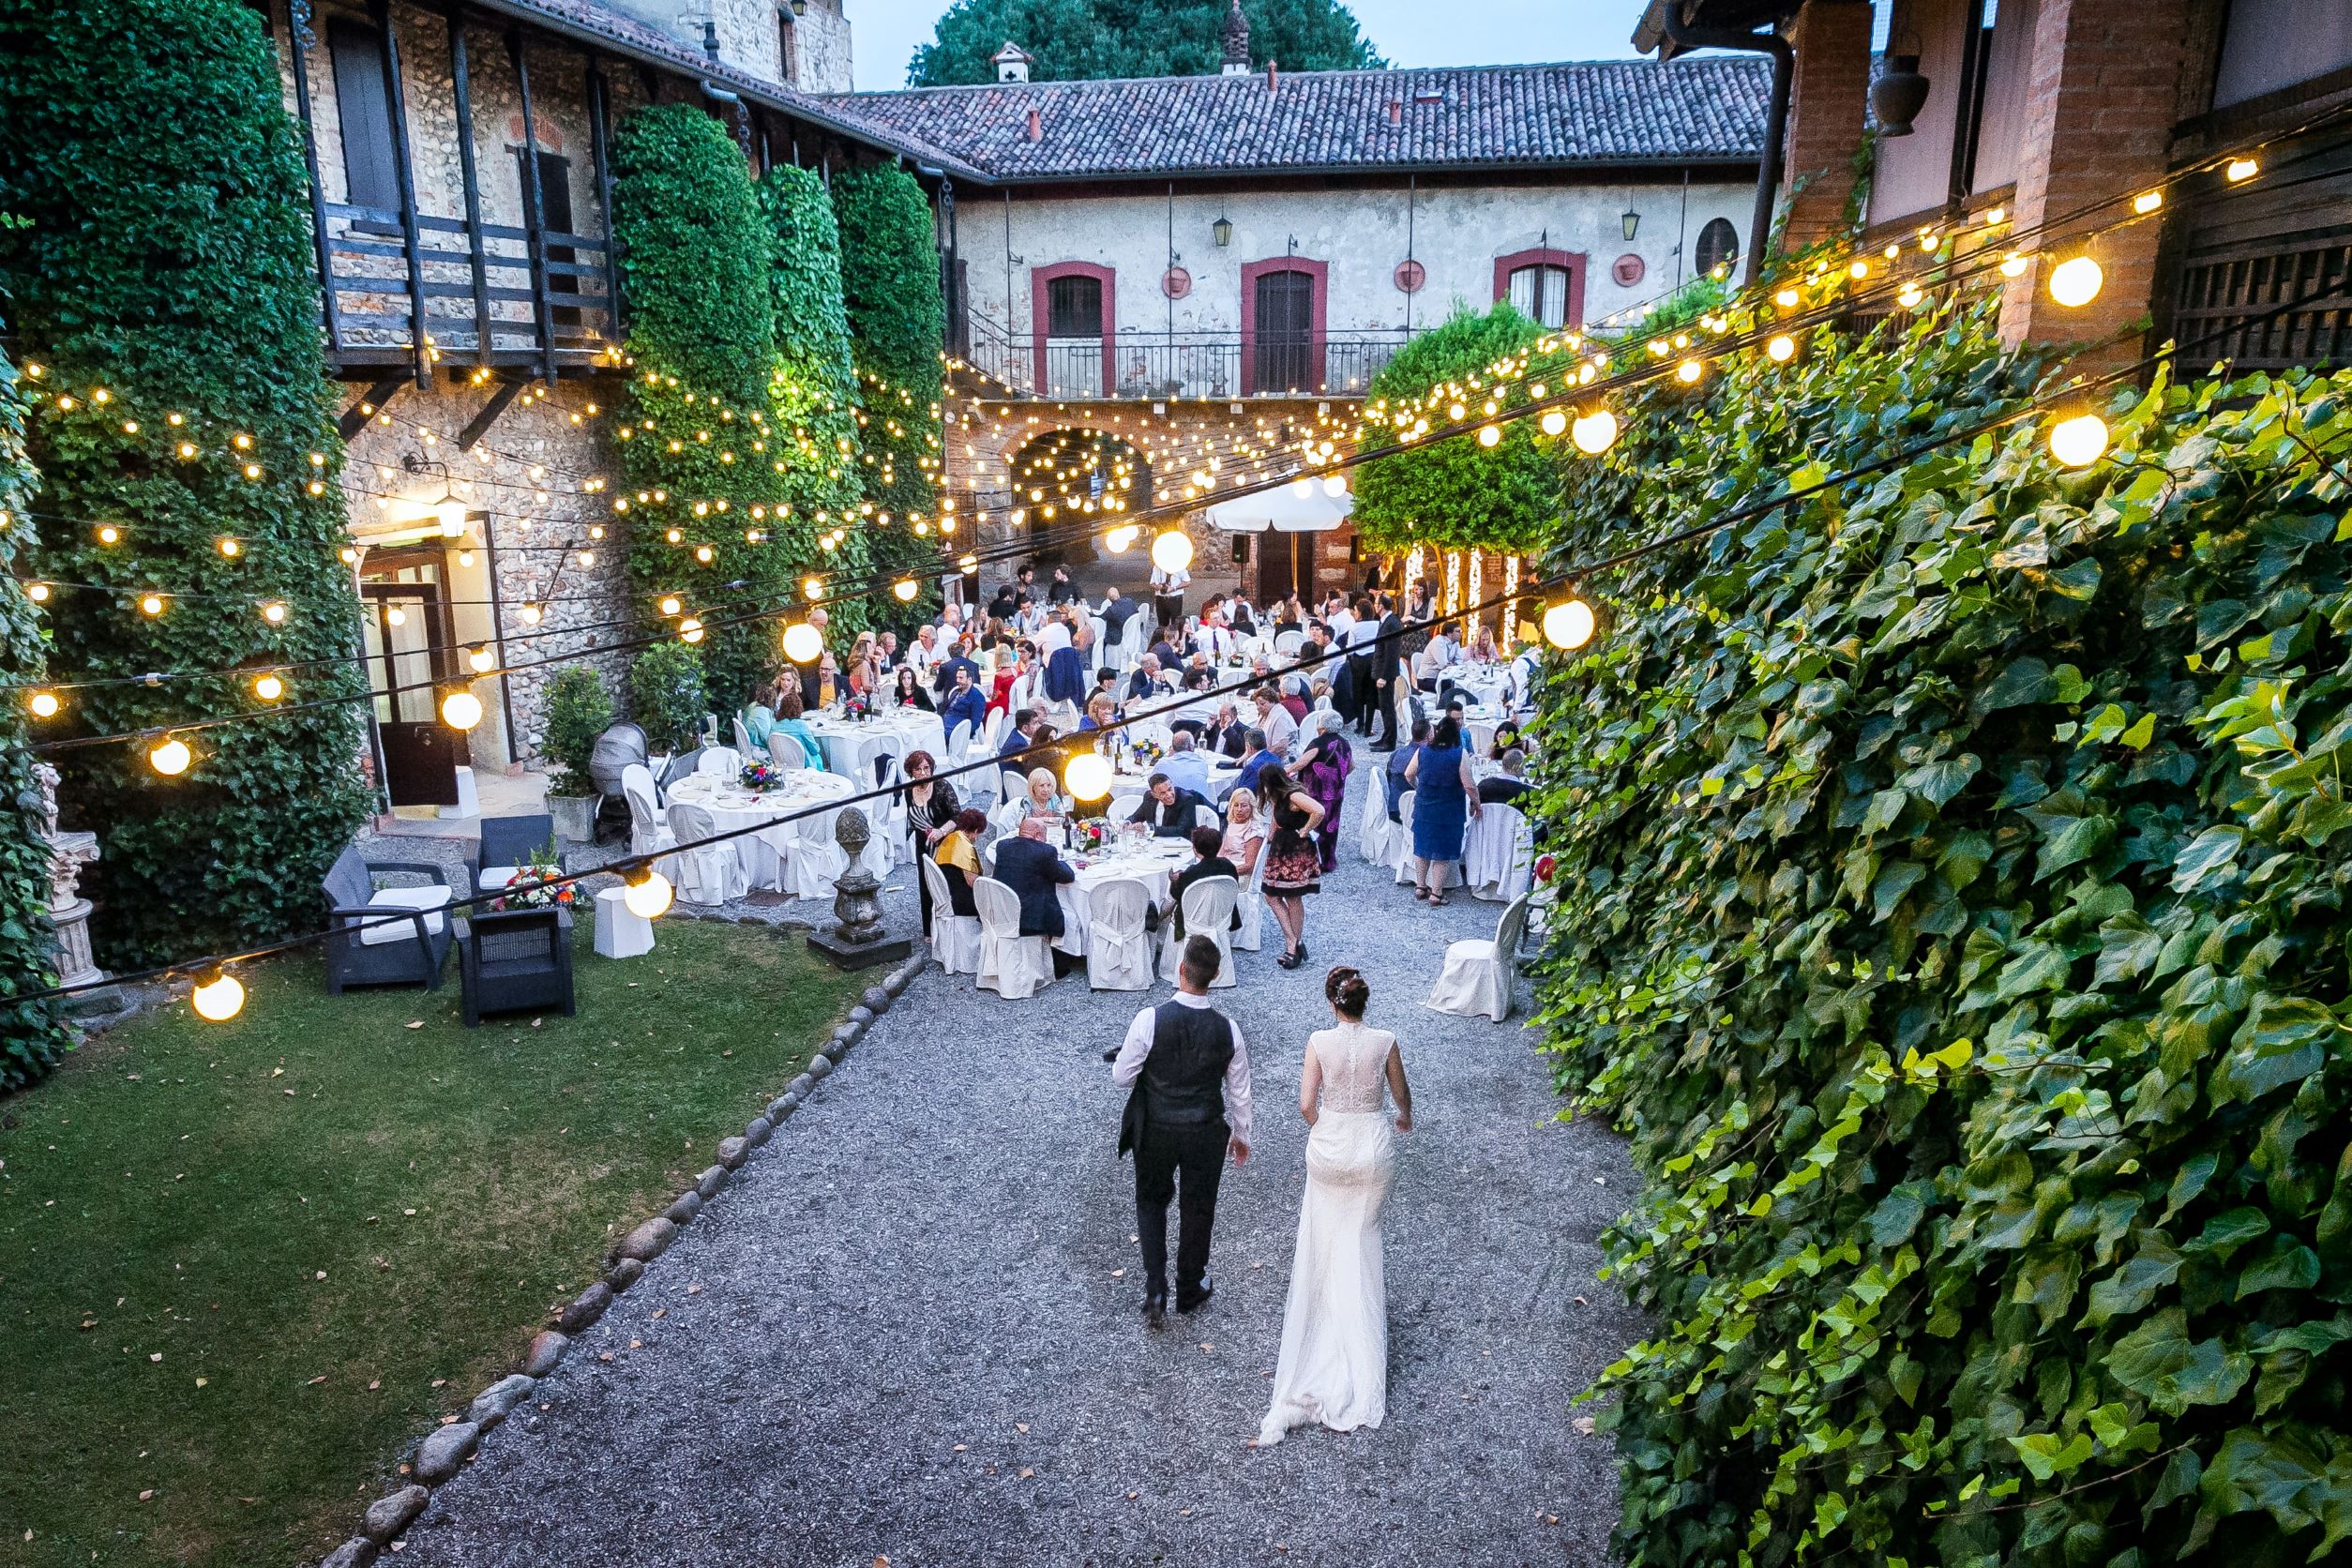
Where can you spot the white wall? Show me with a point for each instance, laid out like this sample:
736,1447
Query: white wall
1359,232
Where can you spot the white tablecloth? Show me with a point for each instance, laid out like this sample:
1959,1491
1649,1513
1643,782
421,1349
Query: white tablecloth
851,746
1165,858
1126,785
734,807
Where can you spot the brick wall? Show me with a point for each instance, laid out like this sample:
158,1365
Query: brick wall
1828,107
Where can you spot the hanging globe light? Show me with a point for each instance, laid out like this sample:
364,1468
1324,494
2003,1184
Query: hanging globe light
218,999
171,758
2075,282
1569,624
1553,421
1594,433
802,644
1122,539
648,897
1088,776
1172,550
269,688
461,710
2079,442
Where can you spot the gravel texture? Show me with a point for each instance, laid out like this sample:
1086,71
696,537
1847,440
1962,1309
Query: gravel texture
904,1331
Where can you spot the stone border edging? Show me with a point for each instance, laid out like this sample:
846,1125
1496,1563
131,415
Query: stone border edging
446,1450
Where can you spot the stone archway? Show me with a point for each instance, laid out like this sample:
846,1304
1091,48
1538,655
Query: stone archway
1060,476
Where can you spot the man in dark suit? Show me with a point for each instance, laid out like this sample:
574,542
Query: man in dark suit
1384,651
955,654
964,702
1168,809
1061,590
812,680
1209,845
1028,866
1118,609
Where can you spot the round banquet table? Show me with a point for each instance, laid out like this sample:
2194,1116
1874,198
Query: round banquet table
1127,783
851,745
733,806
1161,859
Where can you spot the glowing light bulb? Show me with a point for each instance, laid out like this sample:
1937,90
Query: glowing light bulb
1781,349
670,605
648,897
395,616
812,588
587,557
1122,539
905,589
2075,282
110,535
1172,550
480,660
1908,296
1568,624
690,630
218,999
2240,169
2079,442
37,592
1087,777
451,511
151,603
1304,487
1688,372
802,644
171,758
1490,435
44,704
1334,484
1786,299
676,536
231,549
530,613
1594,433
2013,264
2147,201
461,710
1553,421
269,688
1860,270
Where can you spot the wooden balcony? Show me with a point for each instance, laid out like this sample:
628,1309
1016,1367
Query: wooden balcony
1163,367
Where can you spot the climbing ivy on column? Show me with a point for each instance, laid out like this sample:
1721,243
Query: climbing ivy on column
174,271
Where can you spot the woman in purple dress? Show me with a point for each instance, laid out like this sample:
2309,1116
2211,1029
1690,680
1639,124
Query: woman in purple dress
1322,772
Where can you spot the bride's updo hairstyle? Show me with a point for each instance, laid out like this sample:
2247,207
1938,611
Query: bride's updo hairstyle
1346,989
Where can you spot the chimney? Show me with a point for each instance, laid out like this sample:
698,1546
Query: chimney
1395,112
1036,129
1236,41
1012,62
1270,77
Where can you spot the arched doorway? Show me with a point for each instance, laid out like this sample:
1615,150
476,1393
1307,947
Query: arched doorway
1061,478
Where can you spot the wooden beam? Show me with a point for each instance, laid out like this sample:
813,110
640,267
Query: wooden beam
500,400
297,40
356,418
534,210
380,12
463,92
600,150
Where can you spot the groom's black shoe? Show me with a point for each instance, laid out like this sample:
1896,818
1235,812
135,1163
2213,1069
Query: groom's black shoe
1155,1312
1199,1298
1112,1055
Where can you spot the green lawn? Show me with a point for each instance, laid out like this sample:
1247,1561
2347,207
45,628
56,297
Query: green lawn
242,1265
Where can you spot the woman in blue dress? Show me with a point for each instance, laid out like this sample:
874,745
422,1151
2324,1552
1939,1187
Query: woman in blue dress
1445,795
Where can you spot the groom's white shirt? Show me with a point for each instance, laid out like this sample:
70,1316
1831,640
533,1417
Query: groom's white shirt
1138,1046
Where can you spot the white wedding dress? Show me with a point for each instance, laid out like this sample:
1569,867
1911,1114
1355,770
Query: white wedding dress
1334,1328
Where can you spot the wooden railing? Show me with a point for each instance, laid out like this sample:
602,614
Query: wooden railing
2224,291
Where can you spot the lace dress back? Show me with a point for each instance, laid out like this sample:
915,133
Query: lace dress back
1355,1067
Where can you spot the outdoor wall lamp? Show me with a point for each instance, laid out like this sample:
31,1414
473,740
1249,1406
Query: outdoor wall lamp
1223,229
1631,221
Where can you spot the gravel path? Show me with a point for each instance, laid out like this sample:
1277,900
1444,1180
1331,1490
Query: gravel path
904,1331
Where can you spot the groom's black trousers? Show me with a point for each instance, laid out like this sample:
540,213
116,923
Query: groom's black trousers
1167,1154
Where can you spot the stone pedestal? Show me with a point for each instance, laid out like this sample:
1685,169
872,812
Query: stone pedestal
859,941
69,911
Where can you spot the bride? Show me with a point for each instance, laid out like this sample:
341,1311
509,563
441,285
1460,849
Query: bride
1334,1328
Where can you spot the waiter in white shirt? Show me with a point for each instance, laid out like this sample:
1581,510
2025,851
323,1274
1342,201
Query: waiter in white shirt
1168,595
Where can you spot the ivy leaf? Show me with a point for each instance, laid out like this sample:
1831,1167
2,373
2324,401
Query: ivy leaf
2159,1362
2141,733
2270,1472
2076,840
2287,1265
2077,581
2130,1289
1938,781
2025,680
1894,881
2046,1454
2282,1041
2207,857
1886,806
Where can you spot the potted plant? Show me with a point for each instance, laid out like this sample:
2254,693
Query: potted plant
577,711
668,698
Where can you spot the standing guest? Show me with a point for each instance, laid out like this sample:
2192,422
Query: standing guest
1184,766
1505,788
1189,1074
1065,670
1168,593
863,671
958,856
1117,611
1417,631
1363,683
932,809
1443,787
965,704
1275,722
812,674
1028,866
1025,585
1167,810
1061,590
1383,657
1256,758
1400,761
1324,765
1294,867
1208,848
907,692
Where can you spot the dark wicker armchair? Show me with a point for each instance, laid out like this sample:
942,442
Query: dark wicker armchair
511,841
515,960
367,943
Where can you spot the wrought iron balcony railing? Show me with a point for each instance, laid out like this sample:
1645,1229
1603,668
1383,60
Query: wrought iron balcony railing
1166,366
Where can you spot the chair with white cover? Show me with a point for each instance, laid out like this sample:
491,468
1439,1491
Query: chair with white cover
1205,814
1496,853
1118,942
1481,972
958,738
1400,849
1208,907
954,938
1252,907
1102,641
817,861
992,727
719,761
712,874
1372,840
1007,819
1131,641
648,833
743,737
786,752
1012,965
1287,643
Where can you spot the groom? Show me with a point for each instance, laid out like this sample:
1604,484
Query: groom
1189,1102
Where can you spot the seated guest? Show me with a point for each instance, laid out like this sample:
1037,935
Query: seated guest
1007,601
923,652
1185,767
1506,739
958,857
1276,720
1017,739
886,650
1107,685
907,692
1227,736
955,655
1255,759
1295,700
760,723
1243,617
1505,788
1398,761
966,704
1101,712
1149,681
1167,810
1481,648
1245,833
1041,799
1442,654
1061,590
1208,846
1028,866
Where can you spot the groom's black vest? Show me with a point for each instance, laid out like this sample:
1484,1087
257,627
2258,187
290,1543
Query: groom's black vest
1183,1078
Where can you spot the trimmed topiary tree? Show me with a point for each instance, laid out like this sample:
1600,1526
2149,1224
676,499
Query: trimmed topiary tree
32,1034
890,287
173,274
1454,493
667,696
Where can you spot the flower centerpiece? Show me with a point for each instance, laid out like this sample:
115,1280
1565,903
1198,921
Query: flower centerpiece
1146,754
1092,833
760,777
539,869
858,705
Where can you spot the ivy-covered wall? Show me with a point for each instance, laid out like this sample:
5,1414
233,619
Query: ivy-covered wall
1952,909
32,1034
172,270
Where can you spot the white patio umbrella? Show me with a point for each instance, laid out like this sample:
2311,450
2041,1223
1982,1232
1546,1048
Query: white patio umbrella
1302,507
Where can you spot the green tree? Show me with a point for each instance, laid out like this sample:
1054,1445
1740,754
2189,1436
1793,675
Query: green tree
1081,39
174,271
1457,494
890,287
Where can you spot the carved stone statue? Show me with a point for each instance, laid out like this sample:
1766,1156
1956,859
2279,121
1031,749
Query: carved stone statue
69,911
855,900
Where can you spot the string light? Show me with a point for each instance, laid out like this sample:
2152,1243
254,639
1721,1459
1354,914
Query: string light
1087,776
530,613
1569,624
110,535
2075,282
648,897
1782,349
1594,433
218,999
2241,169
1121,539
480,660
802,644
1688,372
395,616
670,605
2079,442
2147,201
269,688
1490,435
1909,295
44,704
1171,549
690,630
1554,421
274,612
171,758
906,590
37,592
461,710
2013,264
231,549
151,604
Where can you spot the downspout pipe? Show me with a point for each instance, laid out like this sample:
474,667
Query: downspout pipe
1686,36
712,90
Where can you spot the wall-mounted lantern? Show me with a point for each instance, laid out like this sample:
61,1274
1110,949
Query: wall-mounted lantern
1223,229
1631,221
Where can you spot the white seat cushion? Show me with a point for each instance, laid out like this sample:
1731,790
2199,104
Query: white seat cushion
433,899
494,879
1468,948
